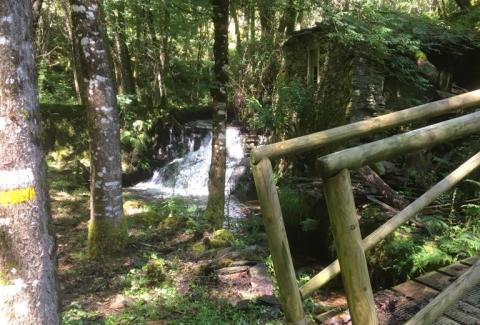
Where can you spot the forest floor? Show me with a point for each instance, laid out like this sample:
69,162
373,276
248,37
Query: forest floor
169,273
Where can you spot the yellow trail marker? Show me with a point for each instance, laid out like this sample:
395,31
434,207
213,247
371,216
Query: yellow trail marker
17,196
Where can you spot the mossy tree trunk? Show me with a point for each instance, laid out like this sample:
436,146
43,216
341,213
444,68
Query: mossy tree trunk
107,229
216,184
28,292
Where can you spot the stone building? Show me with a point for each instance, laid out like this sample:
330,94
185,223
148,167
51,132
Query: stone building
346,85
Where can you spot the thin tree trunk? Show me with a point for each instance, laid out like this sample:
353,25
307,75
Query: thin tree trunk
238,34
159,65
107,228
36,8
126,79
216,184
28,291
78,77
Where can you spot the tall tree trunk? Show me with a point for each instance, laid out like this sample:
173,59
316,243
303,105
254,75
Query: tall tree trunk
159,64
78,77
28,292
267,20
36,8
126,80
107,228
238,35
216,184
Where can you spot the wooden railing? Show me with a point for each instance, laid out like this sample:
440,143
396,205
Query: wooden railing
334,169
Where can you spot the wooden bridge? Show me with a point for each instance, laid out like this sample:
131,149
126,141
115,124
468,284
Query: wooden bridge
397,305
350,246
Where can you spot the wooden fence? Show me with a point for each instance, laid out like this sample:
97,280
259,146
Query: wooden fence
350,246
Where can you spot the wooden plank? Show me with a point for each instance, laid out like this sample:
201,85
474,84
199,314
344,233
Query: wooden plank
472,297
461,316
362,128
278,242
446,321
448,297
415,290
455,269
348,243
471,260
400,144
469,309
436,280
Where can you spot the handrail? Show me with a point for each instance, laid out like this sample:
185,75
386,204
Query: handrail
339,196
346,132
399,219
399,144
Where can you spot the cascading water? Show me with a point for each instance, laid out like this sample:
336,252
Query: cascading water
187,176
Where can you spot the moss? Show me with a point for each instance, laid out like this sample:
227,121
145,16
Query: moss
154,272
132,207
199,247
105,238
148,218
214,213
222,238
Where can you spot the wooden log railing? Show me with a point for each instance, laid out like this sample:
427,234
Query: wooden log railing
340,203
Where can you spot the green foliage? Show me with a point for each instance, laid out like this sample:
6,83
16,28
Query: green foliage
409,252
293,100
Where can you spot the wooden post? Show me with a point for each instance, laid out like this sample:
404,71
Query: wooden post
278,242
348,243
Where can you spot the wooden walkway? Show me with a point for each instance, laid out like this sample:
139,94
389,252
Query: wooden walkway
402,302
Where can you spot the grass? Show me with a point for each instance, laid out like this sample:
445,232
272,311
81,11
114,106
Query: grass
158,274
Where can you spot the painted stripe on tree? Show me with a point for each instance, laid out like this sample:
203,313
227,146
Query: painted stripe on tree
17,196
15,179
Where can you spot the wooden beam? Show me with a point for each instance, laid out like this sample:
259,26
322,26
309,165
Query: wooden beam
348,243
399,144
390,226
278,242
344,133
448,297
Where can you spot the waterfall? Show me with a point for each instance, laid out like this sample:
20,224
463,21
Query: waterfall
187,176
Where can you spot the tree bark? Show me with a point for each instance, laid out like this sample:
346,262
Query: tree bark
36,8
126,80
107,227
216,184
159,65
78,77
28,291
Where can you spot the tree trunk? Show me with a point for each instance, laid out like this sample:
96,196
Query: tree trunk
28,291
78,77
236,22
107,228
36,8
159,65
216,184
126,80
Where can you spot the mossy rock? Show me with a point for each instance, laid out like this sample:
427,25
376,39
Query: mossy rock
132,207
199,247
171,223
222,238
154,272
147,218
